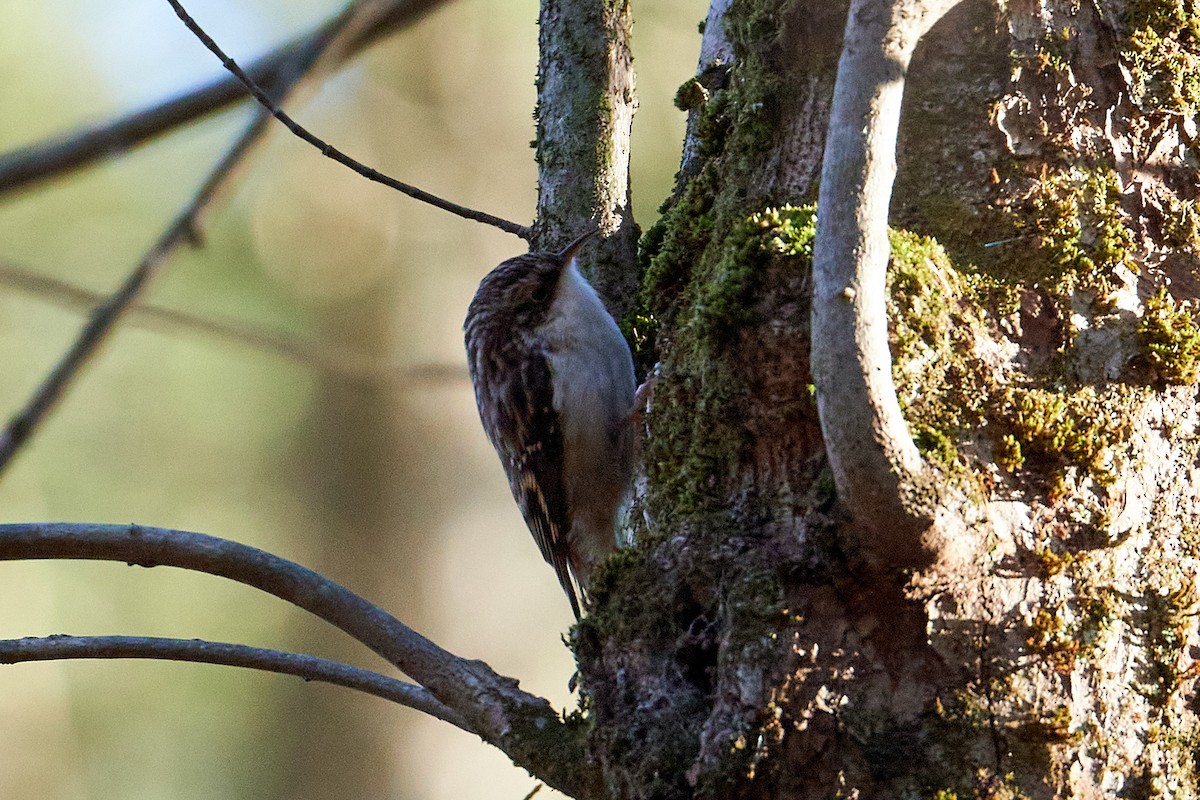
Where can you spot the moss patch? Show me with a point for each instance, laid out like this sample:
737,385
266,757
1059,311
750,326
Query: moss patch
1171,339
725,301
951,391
1073,231
942,387
1162,53
1082,428
701,450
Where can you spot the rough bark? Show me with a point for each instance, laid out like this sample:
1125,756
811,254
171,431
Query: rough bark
586,101
741,650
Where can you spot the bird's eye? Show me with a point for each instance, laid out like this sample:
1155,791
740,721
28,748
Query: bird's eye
540,295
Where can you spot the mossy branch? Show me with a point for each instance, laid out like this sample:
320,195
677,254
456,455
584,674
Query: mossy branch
585,107
871,452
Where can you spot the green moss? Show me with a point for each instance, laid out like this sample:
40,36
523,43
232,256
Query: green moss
943,389
1057,50
1008,453
1065,232
1056,428
1050,637
1179,778
947,391
1076,225
1170,617
720,292
725,301
674,245
759,82
1162,53
1181,224
691,95
1053,562
1171,339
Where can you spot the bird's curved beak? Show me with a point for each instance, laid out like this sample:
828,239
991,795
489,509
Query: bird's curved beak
571,250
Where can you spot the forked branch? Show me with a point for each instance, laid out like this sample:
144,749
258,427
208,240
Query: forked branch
521,725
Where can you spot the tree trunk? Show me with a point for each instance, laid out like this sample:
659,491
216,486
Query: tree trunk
761,639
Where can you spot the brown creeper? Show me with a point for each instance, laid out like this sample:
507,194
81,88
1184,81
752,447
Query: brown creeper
554,382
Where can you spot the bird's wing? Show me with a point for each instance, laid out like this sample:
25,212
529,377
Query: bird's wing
534,463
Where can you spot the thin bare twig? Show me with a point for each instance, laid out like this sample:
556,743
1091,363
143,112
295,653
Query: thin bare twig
32,164
105,317
183,229
523,726
310,668
339,362
329,151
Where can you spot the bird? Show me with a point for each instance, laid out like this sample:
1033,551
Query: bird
554,382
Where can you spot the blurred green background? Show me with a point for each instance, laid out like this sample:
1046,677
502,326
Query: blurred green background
386,485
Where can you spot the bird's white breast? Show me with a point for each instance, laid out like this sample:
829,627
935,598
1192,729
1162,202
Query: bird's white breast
591,364
593,382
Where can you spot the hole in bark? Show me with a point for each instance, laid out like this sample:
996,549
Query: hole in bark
696,651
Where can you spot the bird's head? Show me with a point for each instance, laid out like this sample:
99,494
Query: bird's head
519,291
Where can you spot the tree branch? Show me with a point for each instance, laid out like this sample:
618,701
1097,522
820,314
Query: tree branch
871,452
585,108
183,229
521,725
329,151
310,668
348,364
30,165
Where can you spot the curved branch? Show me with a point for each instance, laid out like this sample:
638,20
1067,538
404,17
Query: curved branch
871,452
30,165
328,150
523,726
310,668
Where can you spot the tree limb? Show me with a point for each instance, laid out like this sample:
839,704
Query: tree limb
328,150
584,114
521,725
310,668
351,365
871,452
30,165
